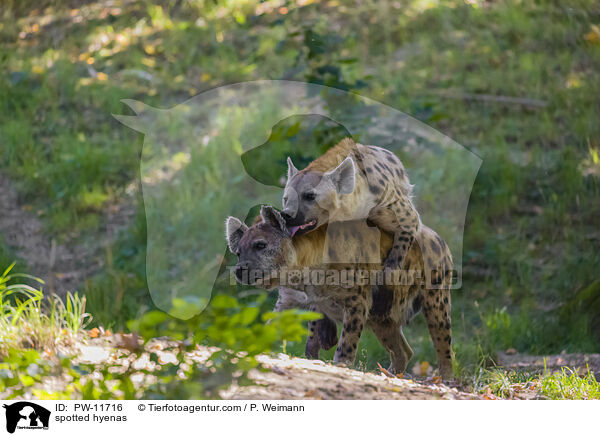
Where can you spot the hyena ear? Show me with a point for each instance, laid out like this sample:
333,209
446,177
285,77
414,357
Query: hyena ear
292,170
343,177
234,230
274,218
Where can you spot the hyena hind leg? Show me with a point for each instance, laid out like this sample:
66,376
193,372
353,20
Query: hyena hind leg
436,309
392,338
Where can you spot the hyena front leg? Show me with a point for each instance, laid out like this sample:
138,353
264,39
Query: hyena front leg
323,335
354,319
327,332
312,342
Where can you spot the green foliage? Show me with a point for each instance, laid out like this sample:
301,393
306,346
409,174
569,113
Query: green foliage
235,333
564,384
567,384
20,370
228,324
238,331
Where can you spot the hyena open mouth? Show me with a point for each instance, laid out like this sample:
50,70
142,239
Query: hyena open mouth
304,228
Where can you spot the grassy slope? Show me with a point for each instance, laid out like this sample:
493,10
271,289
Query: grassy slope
530,240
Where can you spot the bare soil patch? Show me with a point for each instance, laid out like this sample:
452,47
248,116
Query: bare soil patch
63,266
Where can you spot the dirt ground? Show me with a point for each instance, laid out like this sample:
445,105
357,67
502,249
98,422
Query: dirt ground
63,266
293,378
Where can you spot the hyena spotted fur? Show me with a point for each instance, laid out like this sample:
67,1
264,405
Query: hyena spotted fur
352,181
268,247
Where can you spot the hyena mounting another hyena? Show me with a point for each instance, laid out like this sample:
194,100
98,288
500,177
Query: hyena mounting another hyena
352,181
267,248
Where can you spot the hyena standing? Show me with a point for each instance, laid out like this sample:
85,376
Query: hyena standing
351,182
267,248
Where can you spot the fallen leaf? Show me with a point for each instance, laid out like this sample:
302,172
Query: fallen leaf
385,371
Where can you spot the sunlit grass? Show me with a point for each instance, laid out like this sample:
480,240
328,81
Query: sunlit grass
568,384
30,321
563,384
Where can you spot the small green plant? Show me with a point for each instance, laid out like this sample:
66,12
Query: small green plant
567,384
504,383
28,321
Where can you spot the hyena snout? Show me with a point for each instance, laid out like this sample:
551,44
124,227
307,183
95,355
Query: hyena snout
241,271
292,217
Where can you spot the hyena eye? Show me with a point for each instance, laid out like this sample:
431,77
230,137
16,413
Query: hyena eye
309,196
260,245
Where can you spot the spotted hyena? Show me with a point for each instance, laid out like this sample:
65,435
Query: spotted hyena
267,249
352,181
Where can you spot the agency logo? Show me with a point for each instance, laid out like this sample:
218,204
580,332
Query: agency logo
26,415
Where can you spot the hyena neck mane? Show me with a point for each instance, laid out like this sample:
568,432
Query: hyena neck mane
350,240
309,248
334,156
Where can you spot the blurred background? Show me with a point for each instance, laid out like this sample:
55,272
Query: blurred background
515,82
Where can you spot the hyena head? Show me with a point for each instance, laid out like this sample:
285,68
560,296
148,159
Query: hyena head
311,197
262,249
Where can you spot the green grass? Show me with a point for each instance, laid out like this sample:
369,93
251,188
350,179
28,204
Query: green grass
30,321
567,384
564,384
531,238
